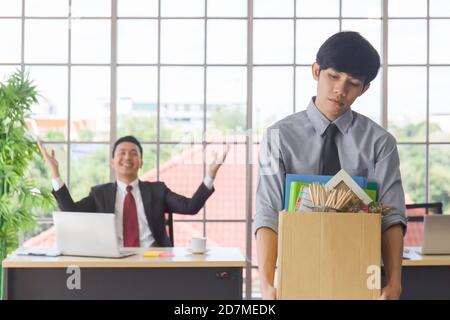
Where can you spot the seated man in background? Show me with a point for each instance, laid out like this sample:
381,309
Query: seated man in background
139,206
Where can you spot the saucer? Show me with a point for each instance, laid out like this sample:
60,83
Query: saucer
190,250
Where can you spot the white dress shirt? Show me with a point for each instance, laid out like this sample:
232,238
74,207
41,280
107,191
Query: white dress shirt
145,234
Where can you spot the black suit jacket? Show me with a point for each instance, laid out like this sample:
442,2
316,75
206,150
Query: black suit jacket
156,196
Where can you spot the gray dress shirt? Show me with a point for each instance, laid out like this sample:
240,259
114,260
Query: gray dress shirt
294,145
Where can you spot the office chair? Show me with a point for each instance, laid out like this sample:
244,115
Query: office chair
168,222
415,215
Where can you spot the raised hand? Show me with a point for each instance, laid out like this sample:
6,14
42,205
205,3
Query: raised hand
50,159
216,160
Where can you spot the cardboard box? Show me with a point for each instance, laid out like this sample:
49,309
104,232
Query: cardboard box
329,255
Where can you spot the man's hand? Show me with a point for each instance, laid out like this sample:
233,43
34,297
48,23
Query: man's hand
268,292
391,293
216,160
50,159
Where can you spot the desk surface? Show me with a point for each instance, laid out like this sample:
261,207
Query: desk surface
417,259
215,257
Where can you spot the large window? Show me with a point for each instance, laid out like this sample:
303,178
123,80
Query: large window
186,75
417,111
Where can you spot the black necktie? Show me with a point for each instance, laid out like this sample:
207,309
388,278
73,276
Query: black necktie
330,155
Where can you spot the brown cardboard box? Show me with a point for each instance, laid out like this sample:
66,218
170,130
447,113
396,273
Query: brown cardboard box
329,255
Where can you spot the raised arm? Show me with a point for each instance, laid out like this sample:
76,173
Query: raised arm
60,191
50,160
179,204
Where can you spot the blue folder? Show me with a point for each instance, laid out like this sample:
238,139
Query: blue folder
291,177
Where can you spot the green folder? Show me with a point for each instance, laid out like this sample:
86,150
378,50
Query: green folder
372,185
372,188
372,194
295,189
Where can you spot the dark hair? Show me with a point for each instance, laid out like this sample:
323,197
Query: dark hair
351,53
131,139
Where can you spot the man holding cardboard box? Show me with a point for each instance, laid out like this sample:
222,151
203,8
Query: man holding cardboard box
324,138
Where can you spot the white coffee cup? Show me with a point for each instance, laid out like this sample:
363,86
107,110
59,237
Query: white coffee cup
198,245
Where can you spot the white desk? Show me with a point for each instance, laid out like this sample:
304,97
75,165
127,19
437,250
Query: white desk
214,275
425,276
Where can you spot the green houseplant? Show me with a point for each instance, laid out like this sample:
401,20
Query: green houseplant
19,198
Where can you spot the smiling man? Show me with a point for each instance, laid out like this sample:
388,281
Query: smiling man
139,206
324,138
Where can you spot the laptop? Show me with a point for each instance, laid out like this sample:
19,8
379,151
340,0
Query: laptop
436,234
87,234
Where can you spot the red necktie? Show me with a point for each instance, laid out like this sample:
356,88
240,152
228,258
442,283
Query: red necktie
130,221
